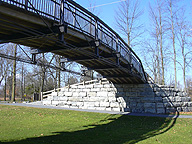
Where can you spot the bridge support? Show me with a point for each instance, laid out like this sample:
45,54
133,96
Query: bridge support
103,95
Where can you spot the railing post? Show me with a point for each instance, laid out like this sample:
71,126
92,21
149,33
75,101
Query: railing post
117,51
55,10
74,19
26,4
62,20
97,43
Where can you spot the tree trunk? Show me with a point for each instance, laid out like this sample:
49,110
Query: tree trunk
59,73
5,88
42,80
14,75
173,41
161,47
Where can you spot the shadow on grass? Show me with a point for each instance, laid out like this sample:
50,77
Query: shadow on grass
117,130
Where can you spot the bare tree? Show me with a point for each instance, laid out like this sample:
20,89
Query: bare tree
127,21
158,34
184,39
14,75
172,15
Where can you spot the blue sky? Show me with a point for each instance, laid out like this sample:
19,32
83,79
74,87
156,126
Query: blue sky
107,8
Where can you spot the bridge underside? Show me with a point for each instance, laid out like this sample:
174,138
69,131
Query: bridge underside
45,35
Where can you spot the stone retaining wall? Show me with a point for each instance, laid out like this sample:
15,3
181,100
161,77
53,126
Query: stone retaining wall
143,98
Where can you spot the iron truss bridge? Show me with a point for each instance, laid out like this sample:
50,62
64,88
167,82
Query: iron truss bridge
65,28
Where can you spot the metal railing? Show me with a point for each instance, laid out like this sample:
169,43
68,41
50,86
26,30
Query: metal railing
83,21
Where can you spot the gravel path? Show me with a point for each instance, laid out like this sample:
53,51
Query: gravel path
39,105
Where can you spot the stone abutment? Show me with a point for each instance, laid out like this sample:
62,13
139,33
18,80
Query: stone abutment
103,95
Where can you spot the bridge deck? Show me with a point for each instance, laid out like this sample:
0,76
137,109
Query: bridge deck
86,39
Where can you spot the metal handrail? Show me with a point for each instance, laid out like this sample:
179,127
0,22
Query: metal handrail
86,21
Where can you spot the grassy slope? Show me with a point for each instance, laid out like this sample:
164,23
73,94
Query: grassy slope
22,125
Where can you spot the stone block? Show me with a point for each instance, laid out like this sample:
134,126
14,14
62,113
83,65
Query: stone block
176,104
66,106
78,90
190,104
55,103
73,86
160,110
160,105
89,104
80,104
171,98
55,98
75,94
102,94
64,98
188,99
95,89
185,109
158,94
54,93
190,109
179,109
148,99
75,99
132,104
156,89
97,104
94,99
114,104
92,94
167,104
165,100
107,86
183,99
185,104
120,89
108,109
81,86
112,99
103,99
150,110
120,94
126,109
104,104
170,110
111,94
89,86
116,109
68,103
98,86
147,94
158,99
140,105
74,104
178,99
86,90
61,93
69,94
82,94
149,105
47,102
129,94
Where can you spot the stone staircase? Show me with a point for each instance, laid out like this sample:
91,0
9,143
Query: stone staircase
104,95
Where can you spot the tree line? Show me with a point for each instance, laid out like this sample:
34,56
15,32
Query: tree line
164,48
165,45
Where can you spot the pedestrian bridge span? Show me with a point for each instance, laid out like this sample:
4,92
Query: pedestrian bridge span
65,28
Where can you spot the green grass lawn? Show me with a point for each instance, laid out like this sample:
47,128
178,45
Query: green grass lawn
24,125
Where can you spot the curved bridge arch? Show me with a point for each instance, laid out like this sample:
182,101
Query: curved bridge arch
64,27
